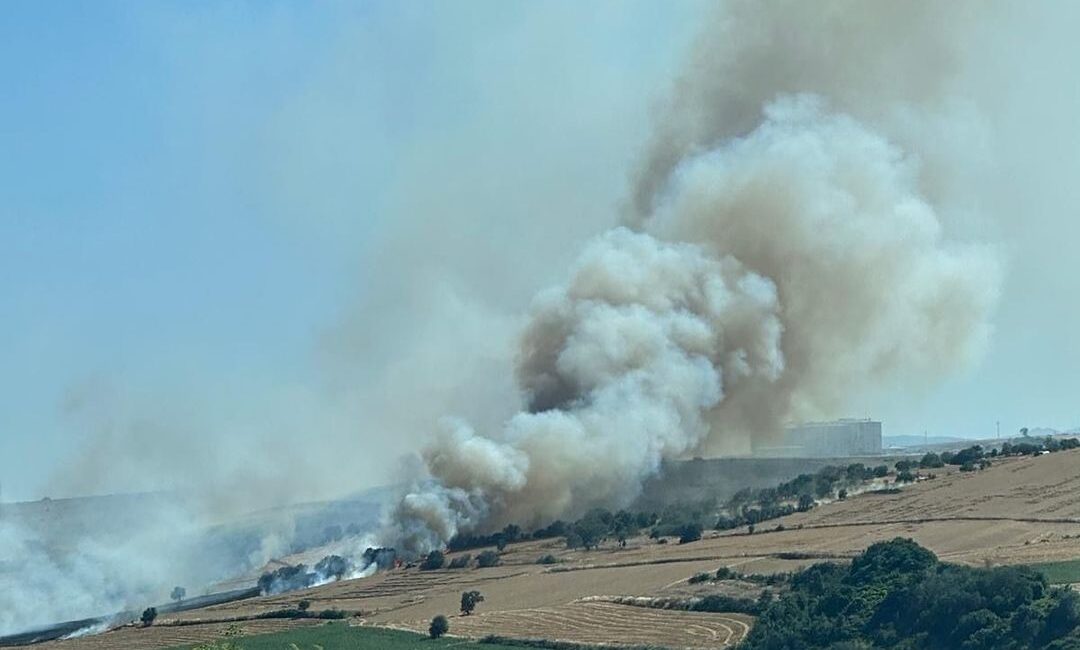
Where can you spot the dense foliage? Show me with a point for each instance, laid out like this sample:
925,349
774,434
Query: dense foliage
439,626
897,595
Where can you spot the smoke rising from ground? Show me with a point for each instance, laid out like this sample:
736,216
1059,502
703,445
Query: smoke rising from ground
783,250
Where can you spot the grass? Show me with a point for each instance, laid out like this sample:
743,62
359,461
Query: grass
339,636
1060,573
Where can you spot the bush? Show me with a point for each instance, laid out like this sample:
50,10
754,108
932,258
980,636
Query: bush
434,560
333,566
690,533
439,626
905,466
148,616
905,477
303,605
726,573
881,471
698,578
487,559
721,603
461,561
931,461
469,601
547,559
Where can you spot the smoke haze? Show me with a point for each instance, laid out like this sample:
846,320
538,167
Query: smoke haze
784,254
504,260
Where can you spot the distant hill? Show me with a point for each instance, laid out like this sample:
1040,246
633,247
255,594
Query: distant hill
917,441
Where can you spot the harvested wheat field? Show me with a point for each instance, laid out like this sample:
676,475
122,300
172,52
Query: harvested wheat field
605,623
1021,510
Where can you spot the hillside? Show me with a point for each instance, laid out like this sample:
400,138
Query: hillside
1020,510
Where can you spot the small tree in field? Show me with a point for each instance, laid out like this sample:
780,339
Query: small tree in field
148,616
439,626
178,593
434,560
469,601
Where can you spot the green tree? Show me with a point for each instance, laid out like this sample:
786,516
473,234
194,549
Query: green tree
148,616
178,594
434,560
439,626
469,601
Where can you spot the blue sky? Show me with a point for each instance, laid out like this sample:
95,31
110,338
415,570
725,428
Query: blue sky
190,191
248,223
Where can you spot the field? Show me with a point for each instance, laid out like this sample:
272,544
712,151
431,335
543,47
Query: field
598,622
1020,511
1060,573
339,636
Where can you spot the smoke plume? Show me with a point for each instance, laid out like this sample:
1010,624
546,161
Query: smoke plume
784,247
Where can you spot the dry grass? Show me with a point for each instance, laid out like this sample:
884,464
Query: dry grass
605,623
1021,510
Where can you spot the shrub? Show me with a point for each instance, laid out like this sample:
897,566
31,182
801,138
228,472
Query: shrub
726,573
690,533
905,466
469,601
148,616
439,626
721,603
698,578
333,566
905,477
881,471
461,561
487,559
547,559
931,461
434,560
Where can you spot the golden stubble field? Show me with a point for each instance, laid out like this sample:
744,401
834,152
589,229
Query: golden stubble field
1020,510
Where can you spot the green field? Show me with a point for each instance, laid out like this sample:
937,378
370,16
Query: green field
1060,573
338,636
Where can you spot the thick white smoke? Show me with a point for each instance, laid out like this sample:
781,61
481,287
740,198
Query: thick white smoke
783,250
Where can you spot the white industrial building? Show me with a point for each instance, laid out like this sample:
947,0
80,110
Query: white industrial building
836,439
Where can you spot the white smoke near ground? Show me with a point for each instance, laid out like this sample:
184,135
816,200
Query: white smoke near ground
782,251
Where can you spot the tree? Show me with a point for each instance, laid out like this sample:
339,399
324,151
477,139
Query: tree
931,461
690,532
439,626
148,616
487,559
469,601
434,560
806,502
178,594
303,605
333,566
